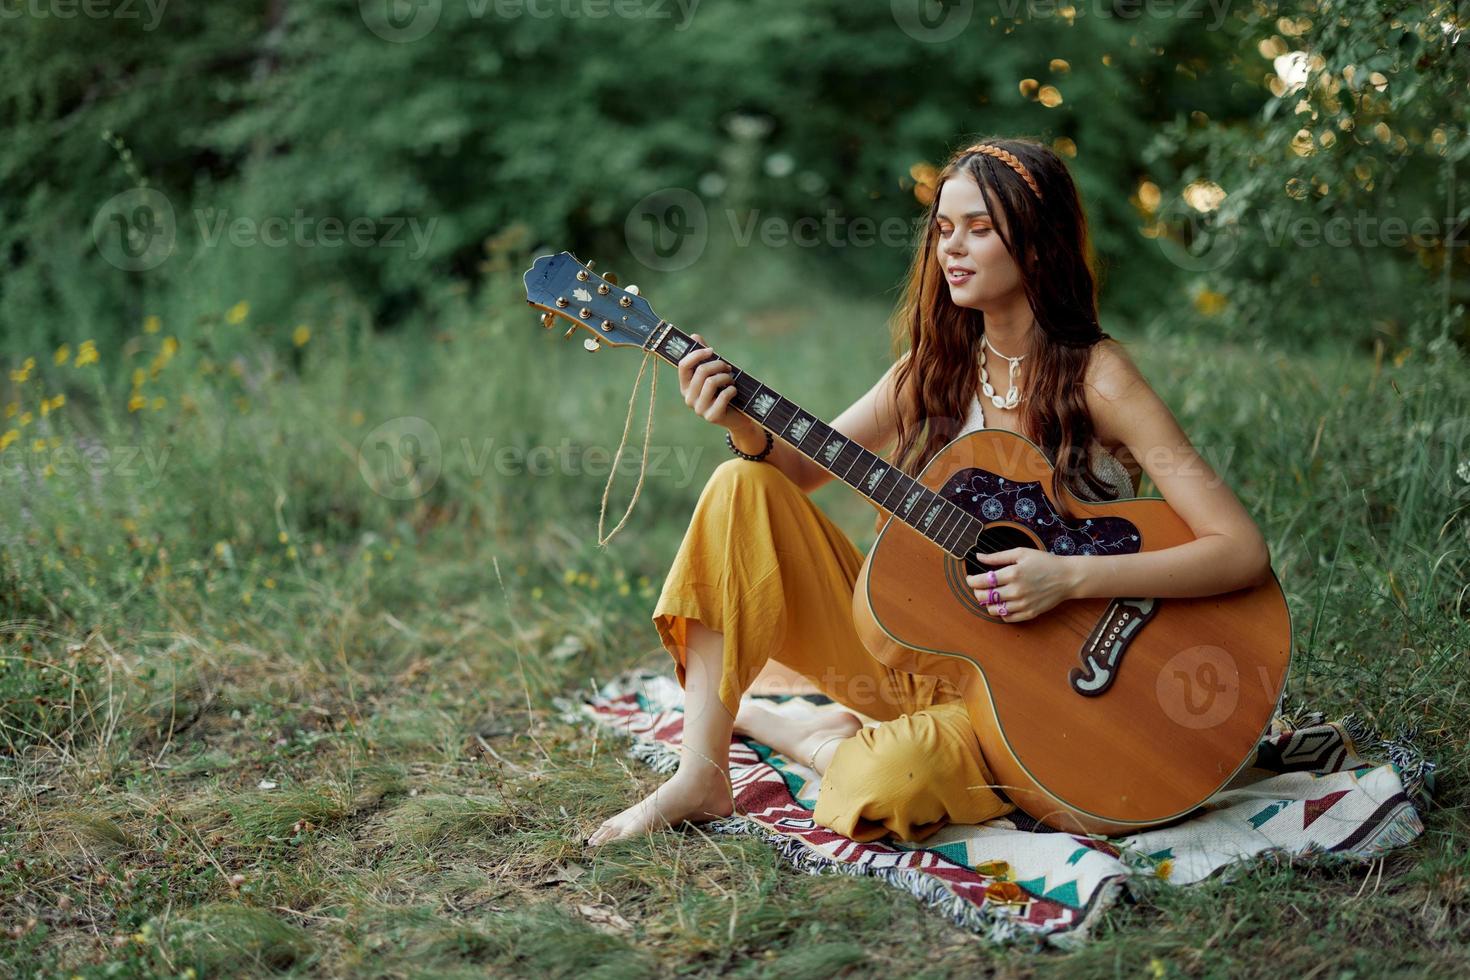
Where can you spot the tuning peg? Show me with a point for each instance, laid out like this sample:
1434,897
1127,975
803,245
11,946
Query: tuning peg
590,263
632,289
547,319
611,277
570,330
590,345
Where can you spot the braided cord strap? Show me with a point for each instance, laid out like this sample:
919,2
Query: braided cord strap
1009,159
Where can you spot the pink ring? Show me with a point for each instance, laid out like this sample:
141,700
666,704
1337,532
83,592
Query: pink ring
994,597
993,582
1002,610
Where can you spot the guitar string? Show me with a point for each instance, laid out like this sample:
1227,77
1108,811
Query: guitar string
617,457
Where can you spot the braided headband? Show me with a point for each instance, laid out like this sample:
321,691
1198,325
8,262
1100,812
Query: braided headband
1009,159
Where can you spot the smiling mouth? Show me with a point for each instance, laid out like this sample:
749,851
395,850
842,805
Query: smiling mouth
959,277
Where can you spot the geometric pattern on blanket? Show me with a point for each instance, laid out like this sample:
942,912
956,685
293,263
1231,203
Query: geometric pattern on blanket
1315,790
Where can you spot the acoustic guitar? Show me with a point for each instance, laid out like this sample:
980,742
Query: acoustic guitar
1101,716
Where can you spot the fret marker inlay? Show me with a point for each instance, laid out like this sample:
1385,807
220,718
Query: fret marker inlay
833,448
678,347
763,403
799,428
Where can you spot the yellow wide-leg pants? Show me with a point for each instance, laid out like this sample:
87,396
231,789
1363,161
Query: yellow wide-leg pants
763,565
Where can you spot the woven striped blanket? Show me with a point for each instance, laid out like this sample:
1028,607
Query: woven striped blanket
1316,790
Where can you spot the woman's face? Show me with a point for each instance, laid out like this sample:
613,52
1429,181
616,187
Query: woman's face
971,256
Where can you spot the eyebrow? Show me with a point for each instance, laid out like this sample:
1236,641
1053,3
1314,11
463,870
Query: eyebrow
970,214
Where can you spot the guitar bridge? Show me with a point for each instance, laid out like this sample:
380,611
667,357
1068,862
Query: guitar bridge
1102,651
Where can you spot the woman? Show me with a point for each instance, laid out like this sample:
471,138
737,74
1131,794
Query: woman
1001,297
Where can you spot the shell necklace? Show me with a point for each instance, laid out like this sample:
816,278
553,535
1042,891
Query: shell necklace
1013,395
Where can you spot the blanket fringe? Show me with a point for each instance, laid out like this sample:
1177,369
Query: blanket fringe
1402,749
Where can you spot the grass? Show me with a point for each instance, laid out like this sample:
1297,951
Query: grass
260,719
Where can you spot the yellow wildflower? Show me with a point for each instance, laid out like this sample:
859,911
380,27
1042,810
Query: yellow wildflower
58,401
238,313
301,335
63,353
1210,302
8,438
45,407
137,402
23,373
25,419
38,446
152,323
11,408
86,354
159,404
270,583
139,376
49,470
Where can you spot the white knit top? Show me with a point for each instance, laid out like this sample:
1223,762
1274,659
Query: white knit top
1105,465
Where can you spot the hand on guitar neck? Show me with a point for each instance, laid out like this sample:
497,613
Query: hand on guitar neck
707,386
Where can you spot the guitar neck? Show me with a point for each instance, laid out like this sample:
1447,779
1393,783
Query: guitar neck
885,485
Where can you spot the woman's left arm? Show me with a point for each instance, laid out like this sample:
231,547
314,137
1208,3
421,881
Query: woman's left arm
1229,551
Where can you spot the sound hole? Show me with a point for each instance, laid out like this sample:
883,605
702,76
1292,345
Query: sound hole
996,537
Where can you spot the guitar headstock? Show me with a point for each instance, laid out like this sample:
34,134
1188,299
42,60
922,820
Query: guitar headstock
566,288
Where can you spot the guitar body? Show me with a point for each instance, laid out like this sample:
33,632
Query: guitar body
1100,715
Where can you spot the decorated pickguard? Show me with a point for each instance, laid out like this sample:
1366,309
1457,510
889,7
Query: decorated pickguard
994,498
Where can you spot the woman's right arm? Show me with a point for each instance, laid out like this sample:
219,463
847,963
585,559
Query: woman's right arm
705,383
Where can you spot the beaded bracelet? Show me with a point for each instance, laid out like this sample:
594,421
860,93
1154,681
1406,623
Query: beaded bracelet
770,442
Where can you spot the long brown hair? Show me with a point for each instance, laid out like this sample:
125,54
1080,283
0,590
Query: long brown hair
1047,237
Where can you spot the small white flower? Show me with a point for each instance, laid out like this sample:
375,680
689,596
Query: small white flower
267,784
1463,470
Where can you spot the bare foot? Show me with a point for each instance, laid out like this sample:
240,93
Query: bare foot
801,736
688,795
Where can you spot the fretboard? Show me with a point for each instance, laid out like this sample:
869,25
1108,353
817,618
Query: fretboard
869,474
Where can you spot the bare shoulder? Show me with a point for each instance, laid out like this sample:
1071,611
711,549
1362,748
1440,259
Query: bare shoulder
1117,394
1111,374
